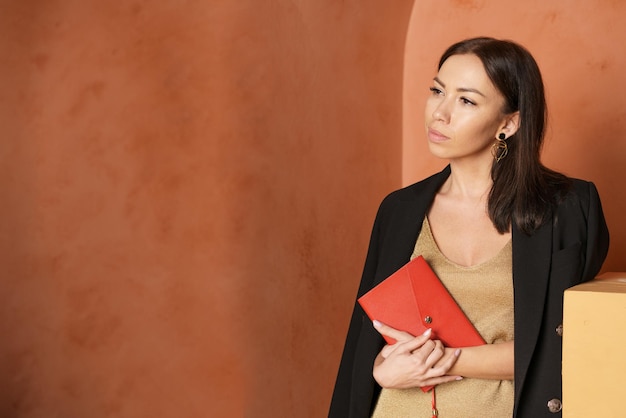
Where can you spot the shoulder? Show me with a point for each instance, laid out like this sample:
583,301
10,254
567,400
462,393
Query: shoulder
422,191
579,214
580,197
400,215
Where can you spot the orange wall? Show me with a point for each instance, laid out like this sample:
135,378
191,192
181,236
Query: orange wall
188,187
187,193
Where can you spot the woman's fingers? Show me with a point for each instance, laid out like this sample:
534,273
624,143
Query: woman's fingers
432,364
427,365
429,353
438,374
388,331
404,341
413,360
421,343
447,364
439,380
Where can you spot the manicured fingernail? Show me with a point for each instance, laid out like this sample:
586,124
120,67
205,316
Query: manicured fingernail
376,323
427,332
459,378
457,352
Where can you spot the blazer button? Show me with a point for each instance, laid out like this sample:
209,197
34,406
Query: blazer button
555,405
559,330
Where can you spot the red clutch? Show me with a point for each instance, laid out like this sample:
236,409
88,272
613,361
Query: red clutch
413,299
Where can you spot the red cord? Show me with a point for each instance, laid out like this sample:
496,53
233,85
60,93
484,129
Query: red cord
434,404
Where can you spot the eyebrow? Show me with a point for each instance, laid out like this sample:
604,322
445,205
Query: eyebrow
461,89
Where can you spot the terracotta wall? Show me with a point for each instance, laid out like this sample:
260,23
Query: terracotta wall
188,186
187,192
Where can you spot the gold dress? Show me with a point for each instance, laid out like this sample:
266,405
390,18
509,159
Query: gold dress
485,293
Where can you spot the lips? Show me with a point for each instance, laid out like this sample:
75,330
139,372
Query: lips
436,136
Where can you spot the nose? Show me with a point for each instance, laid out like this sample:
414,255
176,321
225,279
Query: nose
442,111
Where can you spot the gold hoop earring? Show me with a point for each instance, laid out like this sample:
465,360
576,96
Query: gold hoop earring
499,150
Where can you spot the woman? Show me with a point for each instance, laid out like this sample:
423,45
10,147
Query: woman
506,236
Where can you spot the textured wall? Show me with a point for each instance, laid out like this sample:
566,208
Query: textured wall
578,46
187,191
188,187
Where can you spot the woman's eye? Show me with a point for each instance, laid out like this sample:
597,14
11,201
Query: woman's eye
467,101
435,91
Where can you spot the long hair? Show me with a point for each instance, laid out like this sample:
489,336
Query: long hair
524,191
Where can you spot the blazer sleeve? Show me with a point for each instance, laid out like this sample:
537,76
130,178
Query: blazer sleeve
344,391
597,245
396,227
580,242
580,222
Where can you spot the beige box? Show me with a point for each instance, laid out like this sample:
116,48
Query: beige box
594,348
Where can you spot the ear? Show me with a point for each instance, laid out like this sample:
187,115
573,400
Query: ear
510,124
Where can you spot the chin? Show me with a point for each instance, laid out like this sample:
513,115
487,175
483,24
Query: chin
437,151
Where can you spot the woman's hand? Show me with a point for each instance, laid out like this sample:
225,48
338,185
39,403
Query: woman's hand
412,361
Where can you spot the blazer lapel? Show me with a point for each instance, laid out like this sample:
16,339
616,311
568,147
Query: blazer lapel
404,226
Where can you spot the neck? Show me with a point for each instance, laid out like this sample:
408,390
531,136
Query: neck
471,181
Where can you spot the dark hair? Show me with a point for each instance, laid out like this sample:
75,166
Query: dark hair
524,190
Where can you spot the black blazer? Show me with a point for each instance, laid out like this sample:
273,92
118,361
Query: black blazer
562,253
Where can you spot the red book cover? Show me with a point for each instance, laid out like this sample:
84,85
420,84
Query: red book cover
413,299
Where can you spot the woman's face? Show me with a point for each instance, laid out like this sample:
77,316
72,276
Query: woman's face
464,111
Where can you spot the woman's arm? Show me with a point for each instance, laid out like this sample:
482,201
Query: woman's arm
412,361
489,361
420,361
